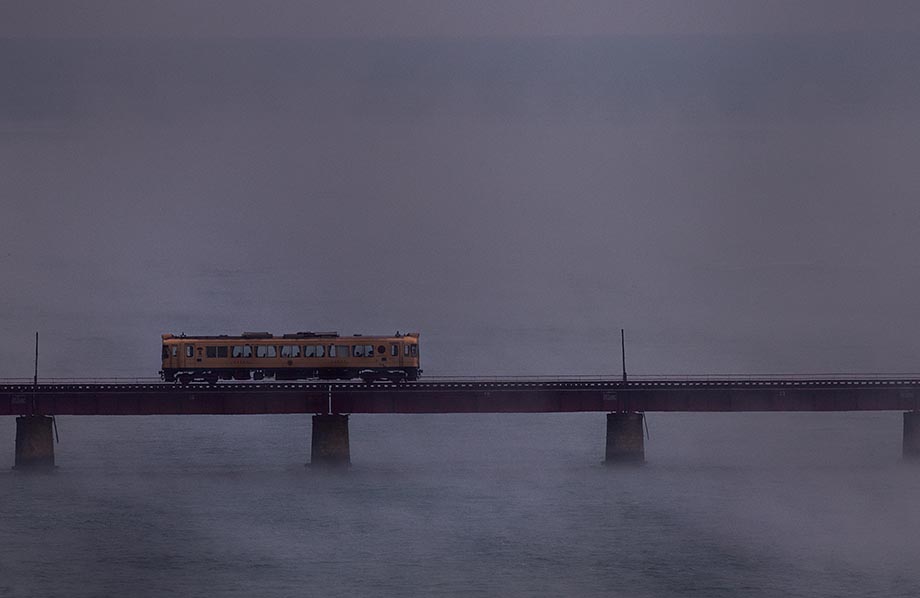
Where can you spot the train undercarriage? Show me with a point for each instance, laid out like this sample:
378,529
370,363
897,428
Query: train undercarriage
367,375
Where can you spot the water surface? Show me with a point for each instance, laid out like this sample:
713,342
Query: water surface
521,505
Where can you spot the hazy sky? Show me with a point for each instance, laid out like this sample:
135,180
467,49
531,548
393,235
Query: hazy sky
732,182
447,18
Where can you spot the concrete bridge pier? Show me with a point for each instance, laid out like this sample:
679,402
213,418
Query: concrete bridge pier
34,442
625,438
330,441
911,446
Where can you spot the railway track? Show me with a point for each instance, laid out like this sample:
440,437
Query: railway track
473,384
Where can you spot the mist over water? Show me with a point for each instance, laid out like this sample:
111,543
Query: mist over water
727,505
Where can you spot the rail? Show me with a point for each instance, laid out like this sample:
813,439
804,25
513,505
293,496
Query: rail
827,377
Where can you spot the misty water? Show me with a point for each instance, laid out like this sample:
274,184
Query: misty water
521,505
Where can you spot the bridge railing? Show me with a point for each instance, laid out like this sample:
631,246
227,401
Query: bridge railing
680,377
603,377
77,380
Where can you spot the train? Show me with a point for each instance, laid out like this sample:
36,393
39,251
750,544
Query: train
297,356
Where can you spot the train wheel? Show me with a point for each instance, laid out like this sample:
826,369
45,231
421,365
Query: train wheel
211,379
184,379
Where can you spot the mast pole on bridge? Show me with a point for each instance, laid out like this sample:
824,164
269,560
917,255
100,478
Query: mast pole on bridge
623,351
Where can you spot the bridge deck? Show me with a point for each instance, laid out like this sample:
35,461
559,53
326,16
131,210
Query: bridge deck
466,396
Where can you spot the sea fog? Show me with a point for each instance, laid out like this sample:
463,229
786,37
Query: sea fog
726,505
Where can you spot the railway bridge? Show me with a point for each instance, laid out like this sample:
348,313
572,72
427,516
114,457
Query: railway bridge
331,403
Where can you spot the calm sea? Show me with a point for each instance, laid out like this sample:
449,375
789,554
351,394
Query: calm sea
472,505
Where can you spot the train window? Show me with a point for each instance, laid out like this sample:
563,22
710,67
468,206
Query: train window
406,350
175,351
265,351
339,351
213,352
290,350
165,352
394,350
314,351
414,350
241,351
362,350
189,350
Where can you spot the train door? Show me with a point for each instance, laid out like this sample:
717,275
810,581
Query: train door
188,355
394,356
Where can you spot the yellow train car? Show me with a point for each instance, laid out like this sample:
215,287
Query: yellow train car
299,356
